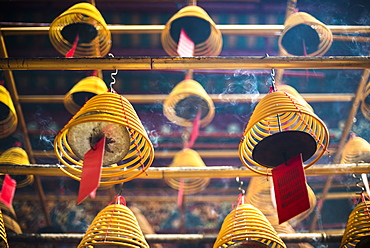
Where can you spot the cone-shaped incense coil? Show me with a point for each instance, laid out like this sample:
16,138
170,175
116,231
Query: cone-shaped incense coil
246,224
259,195
185,100
8,116
83,91
200,28
10,219
114,226
279,129
304,35
17,156
188,158
3,239
84,23
365,104
357,231
356,150
128,150
289,89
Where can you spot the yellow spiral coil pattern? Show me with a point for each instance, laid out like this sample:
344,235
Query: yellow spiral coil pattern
354,151
293,115
17,156
81,13
246,222
289,89
9,124
92,84
3,239
115,225
188,158
365,102
184,89
212,46
324,33
358,226
111,108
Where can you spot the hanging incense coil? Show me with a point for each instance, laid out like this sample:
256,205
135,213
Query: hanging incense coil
8,116
356,233
10,219
365,103
280,128
188,158
114,226
246,225
83,23
185,100
128,150
83,91
17,156
3,239
199,27
259,195
356,150
304,35
289,89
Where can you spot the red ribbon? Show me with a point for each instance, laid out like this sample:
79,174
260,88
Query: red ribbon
7,191
71,52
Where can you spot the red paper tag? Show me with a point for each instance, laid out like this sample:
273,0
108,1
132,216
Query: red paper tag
71,52
91,171
194,131
185,48
290,189
8,190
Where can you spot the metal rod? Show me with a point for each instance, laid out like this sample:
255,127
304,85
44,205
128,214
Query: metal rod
342,143
191,172
27,143
75,238
149,63
232,29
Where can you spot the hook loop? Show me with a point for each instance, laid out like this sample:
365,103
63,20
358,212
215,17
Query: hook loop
112,76
240,185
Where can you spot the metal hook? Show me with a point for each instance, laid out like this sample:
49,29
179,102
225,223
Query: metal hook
272,75
358,182
240,185
112,75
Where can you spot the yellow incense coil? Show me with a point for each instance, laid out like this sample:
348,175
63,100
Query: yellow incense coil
3,238
83,91
355,151
245,224
304,35
85,21
289,89
281,118
115,225
185,100
10,219
356,233
200,28
128,150
365,103
188,158
17,156
8,116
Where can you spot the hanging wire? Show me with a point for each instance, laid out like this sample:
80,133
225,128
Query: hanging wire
112,76
272,75
240,185
359,183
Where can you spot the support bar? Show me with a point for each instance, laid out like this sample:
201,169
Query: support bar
170,63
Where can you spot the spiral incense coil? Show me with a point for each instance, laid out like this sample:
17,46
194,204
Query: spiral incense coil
280,128
289,89
365,103
10,219
17,156
188,158
246,224
128,151
304,35
114,226
356,233
356,150
259,195
83,23
8,116
3,239
185,100
83,91
200,28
